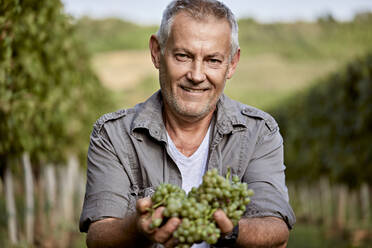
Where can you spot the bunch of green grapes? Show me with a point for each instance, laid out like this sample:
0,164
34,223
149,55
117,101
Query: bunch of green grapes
196,209
221,193
170,196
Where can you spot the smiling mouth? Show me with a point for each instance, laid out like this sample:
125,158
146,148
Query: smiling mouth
192,90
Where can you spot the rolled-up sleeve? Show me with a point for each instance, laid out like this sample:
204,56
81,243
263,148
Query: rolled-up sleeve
265,175
107,188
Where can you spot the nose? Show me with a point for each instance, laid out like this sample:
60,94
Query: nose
196,73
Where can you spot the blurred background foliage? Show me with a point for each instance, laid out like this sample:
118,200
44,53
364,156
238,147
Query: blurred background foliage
327,128
49,96
59,74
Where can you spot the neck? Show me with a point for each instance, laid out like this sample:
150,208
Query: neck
186,133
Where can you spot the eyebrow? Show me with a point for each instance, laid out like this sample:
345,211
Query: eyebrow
217,54
181,50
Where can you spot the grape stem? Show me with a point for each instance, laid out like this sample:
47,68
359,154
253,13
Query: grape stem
211,213
153,207
228,175
159,203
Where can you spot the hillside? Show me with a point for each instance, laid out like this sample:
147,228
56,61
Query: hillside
300,40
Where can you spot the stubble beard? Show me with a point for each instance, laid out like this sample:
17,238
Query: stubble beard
175,105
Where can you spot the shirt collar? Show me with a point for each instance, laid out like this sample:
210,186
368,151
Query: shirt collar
149,117
229,117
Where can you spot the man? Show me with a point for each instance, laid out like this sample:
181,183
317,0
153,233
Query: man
186,128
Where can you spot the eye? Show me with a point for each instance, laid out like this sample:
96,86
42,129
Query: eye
215,61
181,56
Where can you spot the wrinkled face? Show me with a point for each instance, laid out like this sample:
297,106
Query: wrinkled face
195,65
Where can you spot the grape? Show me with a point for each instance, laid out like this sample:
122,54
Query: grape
155,223
196,208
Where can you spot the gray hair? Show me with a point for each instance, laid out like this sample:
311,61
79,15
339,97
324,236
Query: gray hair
198,9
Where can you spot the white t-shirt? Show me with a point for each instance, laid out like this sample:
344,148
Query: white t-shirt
192,168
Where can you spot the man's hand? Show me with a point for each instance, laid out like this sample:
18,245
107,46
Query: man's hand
223,222
132,230
163,234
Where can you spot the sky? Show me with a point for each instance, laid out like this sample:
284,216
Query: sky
150,11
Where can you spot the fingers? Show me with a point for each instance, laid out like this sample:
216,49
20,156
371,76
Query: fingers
143,217
161,235
164,233
143,204
171,243
223,222
146,219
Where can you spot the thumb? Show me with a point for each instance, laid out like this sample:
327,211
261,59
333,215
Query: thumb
223,222
143,204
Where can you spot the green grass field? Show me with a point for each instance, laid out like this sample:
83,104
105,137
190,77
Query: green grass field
312,236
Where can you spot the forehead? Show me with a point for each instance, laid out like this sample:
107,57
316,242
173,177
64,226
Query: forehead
190,33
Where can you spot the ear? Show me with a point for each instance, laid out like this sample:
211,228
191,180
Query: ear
233,63
155,51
